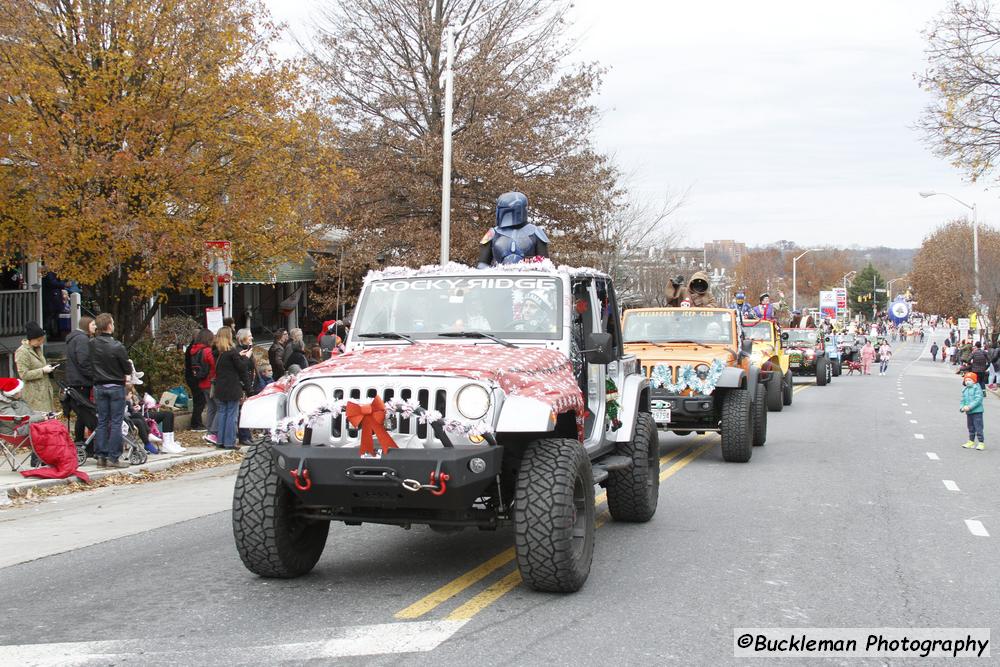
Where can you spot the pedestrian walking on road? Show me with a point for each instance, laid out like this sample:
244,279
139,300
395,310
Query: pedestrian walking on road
867,357
934,351
979,363
884,353
111,367
972,406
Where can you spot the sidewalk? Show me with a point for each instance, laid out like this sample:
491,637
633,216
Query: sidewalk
13,484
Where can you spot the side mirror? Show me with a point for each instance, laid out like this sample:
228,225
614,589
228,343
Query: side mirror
746,347
784,335
599,349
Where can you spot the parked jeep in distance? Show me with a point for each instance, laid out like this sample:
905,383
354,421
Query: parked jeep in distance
701,375
467,398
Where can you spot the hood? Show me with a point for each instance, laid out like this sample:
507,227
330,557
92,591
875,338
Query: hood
673,354
534,372
700,275
75,333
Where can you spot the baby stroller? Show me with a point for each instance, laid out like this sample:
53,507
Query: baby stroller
132,449
17,450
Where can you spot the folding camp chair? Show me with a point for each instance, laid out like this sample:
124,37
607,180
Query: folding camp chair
16,449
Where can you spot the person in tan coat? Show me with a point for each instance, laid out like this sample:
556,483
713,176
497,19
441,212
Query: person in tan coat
696,291
35,370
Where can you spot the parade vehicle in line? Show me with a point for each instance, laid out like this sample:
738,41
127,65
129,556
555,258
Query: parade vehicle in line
807,354
466,398
849,347
701,374
769,354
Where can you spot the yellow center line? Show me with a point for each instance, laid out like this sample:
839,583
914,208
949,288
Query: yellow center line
436,598
512,580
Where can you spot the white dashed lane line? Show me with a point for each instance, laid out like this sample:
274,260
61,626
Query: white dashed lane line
933,457
918,436
913,421
976,528
950,485
909,412
905,405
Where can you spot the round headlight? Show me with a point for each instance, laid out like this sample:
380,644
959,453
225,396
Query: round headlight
473,401
701,370
309,397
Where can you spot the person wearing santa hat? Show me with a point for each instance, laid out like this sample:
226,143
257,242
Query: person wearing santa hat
12,405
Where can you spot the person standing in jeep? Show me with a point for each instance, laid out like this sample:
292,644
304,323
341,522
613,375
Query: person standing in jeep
111,366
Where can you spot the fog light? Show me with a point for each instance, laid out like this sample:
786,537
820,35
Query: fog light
706,405
475,438
300,434
477,465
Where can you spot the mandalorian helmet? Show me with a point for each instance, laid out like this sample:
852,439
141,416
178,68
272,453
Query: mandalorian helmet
512,210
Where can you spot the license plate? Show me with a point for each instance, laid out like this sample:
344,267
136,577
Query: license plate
794,364
661,415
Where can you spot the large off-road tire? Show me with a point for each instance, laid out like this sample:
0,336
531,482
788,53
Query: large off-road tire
838,367
822,371
270,539
633,493
760,417
788,388
775,400
737,426
554,515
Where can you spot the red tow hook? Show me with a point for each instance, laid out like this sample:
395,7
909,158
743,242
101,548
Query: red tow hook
439,481
301,477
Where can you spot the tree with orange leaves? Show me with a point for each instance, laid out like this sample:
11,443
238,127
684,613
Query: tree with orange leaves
134,130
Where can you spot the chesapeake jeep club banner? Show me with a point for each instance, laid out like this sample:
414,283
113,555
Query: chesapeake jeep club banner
828,303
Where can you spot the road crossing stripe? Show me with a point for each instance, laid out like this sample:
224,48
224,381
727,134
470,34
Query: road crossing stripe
950,485
976,528
933,457
452,588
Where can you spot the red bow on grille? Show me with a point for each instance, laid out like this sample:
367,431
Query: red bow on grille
369,418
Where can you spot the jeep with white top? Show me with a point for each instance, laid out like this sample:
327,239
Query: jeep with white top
466,398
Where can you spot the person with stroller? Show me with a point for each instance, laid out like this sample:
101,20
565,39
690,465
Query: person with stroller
79,376
111,366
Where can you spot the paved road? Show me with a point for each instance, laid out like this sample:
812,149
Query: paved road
843,519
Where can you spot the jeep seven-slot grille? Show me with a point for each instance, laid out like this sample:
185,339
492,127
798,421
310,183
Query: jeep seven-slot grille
648,371
429,398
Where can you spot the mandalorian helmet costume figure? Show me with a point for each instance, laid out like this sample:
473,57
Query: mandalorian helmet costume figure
513,239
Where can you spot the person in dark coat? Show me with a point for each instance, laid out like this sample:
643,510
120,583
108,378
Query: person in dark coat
111,366
233,379
934,351
295,351
79,374
276,353
52,301
979,363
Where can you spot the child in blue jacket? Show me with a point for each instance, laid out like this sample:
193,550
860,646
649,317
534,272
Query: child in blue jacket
972,406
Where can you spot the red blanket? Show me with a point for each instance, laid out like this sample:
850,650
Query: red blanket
55,448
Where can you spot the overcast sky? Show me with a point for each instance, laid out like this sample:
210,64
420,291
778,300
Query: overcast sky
787,120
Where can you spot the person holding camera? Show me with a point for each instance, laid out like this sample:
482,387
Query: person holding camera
233,379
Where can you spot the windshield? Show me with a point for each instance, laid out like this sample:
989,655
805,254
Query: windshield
801,337
423,308
759,332
683,324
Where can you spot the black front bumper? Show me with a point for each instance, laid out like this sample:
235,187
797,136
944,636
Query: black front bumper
686,410
341,479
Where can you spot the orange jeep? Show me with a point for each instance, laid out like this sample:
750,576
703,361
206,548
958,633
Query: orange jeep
701,374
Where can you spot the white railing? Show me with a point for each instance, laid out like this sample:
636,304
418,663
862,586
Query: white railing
17,308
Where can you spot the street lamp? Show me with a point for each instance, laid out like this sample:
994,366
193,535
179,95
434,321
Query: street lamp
449,85
889,288
847,275
975,237
795,277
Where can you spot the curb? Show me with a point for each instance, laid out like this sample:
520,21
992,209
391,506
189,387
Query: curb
155,466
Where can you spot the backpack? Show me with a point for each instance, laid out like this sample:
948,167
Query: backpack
199,369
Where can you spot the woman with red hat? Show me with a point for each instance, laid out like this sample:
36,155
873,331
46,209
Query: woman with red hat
12,405
972,406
